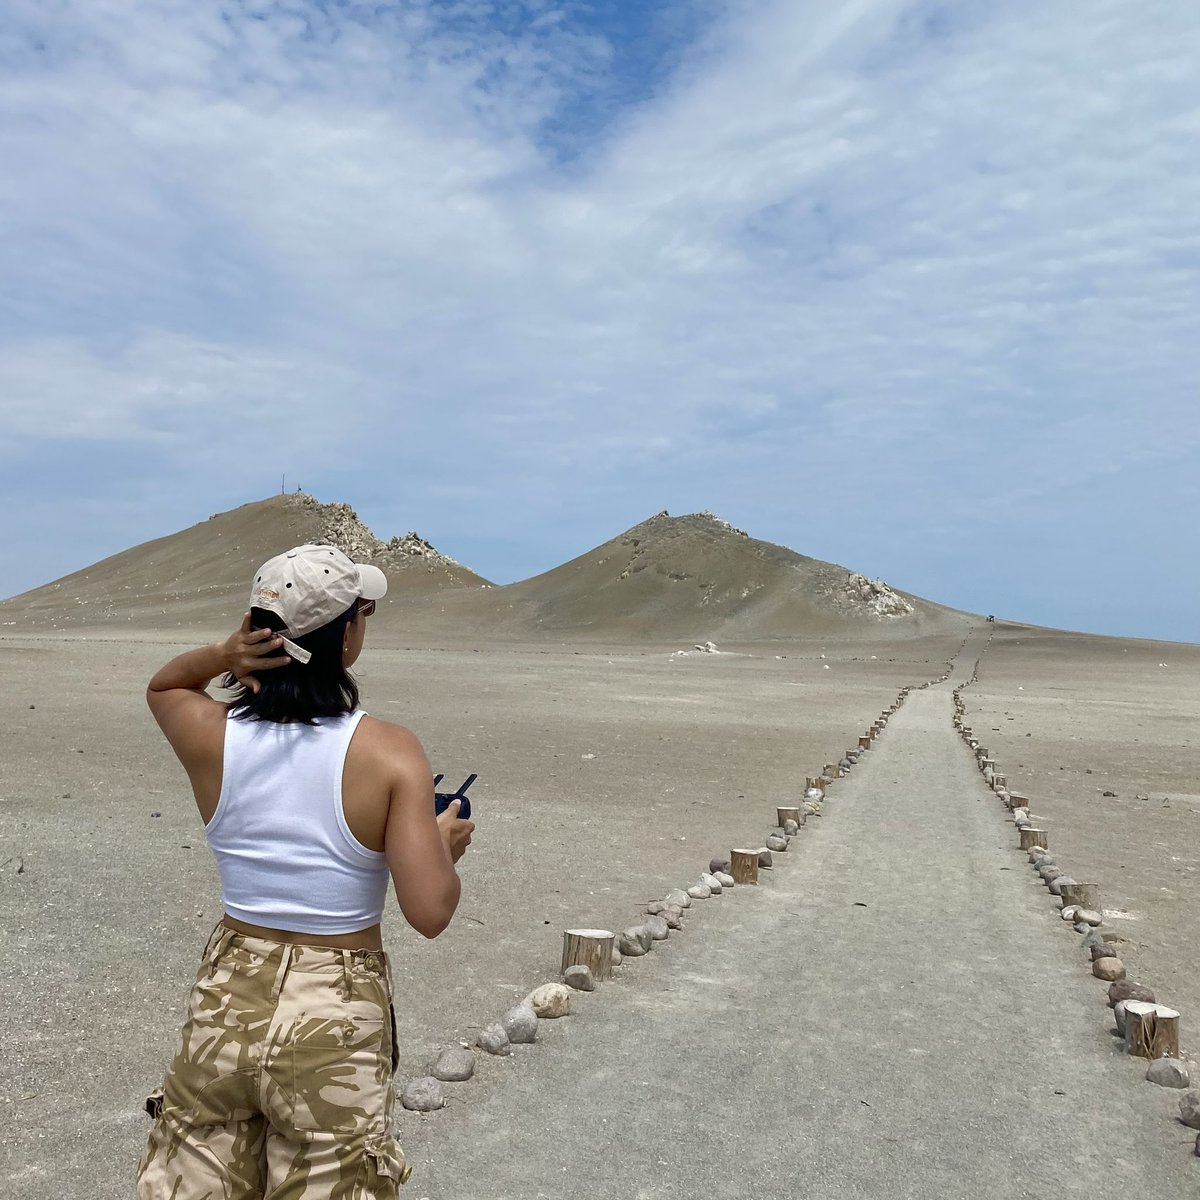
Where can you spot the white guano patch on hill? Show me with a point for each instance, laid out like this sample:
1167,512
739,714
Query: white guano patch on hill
710,516
875,595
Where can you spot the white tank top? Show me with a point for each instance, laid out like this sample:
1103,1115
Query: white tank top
286,856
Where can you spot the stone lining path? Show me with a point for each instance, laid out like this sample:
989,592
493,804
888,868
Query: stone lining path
896,1012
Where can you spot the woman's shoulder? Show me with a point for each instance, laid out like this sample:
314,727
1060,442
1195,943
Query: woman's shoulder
388,737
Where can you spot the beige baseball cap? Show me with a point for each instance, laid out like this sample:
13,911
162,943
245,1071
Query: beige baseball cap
309,586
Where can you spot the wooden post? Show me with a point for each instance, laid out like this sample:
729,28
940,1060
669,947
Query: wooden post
591,948
864,743
1086,895
810,781
1151,1030
1034,837
743,866
999,781
789,812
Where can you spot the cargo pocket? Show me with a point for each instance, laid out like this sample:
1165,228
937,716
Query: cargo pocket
149,1168
385,1169
337,1076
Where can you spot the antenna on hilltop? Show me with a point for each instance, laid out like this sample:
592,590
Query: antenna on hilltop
283,484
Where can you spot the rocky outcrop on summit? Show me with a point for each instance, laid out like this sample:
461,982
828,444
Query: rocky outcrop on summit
202,574
341,527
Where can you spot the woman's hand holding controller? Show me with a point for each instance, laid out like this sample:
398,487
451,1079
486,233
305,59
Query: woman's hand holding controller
455,832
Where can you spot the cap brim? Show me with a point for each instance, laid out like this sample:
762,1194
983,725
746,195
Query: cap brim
374,581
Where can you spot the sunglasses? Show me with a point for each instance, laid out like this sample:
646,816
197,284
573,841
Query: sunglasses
366,608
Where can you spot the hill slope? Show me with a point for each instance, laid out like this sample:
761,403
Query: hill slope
697,578
693,578
696,574
203,573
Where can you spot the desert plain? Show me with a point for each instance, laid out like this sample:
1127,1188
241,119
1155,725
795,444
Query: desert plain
611,768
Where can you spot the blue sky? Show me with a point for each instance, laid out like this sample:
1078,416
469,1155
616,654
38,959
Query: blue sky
910,286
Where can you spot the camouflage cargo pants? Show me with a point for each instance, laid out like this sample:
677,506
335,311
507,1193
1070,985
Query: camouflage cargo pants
282,1087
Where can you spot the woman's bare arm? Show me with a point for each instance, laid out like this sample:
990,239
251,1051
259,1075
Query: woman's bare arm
185,713
421,848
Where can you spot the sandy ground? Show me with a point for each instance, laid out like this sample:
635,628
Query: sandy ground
1069,718
895,1013
605,777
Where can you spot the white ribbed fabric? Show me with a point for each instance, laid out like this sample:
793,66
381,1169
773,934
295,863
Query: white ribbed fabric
286,856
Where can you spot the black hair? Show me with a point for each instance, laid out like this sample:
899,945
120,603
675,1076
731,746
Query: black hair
301,692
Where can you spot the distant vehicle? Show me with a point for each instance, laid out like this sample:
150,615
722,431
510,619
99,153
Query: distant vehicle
991,618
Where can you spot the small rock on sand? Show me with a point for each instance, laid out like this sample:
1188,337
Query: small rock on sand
699,891
658,928
1108,968
494,1040
580,978
520,1023
764,857
777,843
724,879
629,943
1119,1017
712,883
454,1065
1168,1072
552,1000
1189,1110
423,1095
680,897
1127,989
718,864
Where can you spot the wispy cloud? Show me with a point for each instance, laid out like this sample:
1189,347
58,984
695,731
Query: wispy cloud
842,272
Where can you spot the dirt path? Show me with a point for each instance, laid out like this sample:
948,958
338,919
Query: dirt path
897,1011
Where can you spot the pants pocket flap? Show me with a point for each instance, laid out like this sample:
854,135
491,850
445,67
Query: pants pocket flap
389,1160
